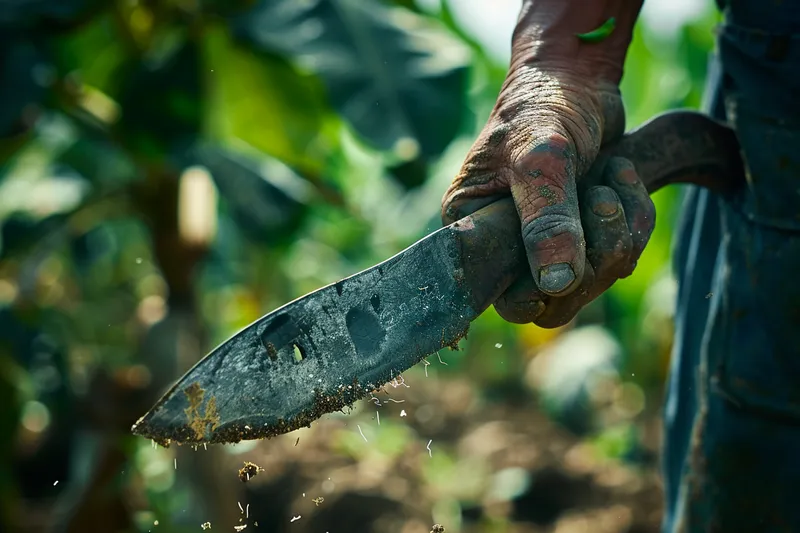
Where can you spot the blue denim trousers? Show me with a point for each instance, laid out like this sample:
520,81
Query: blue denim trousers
732,414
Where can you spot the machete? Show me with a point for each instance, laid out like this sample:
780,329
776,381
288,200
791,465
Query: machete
324,351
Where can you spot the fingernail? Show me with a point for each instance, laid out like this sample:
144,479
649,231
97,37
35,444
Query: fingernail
556,278
604,202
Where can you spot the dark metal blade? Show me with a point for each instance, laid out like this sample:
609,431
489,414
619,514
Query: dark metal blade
353,336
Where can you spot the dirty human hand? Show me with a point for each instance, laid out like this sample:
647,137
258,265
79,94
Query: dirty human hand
559,104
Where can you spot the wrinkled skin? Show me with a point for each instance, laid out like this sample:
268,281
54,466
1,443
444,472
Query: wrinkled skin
544,133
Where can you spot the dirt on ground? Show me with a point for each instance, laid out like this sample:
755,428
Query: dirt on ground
436,453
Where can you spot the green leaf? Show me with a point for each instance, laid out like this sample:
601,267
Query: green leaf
396,77
96,51
264,102
599,34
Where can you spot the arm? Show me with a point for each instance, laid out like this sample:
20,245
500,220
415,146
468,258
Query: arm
546,34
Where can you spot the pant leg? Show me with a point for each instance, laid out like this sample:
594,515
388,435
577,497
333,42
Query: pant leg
732,451
698,243
696,246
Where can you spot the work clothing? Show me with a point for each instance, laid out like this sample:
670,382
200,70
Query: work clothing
732,415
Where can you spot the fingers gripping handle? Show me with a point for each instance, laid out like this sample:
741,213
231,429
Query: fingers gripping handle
676,147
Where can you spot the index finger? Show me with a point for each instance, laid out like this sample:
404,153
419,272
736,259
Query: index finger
544,191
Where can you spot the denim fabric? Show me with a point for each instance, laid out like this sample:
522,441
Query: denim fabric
732,415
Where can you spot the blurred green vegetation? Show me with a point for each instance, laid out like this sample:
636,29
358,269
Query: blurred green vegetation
170,170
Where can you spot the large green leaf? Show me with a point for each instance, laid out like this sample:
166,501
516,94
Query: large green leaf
266,103
399,79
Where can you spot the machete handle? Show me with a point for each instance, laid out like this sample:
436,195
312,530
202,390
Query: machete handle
675,147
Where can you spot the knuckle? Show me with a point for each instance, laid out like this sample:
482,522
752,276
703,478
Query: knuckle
549,226
603,202
549,156
556,142
477,179
486,154
619,164
547,194
470,183
621,174
496,135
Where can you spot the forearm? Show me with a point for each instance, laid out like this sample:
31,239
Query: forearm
546,33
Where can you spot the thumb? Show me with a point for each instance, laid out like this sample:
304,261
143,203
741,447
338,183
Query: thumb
544,191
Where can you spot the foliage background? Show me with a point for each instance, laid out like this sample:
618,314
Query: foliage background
170,170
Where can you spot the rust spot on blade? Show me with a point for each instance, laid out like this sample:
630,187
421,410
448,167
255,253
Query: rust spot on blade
197,422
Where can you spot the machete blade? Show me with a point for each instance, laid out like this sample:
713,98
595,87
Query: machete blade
322,352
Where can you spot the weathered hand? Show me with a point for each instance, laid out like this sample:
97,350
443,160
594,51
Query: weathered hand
617,219
544,133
